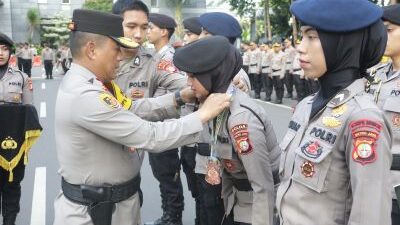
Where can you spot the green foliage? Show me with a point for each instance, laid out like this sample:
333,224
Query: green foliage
33,18
100,5
244,8
280,17
55,30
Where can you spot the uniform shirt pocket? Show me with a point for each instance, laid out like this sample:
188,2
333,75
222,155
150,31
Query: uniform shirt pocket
14,94
287,139
392,111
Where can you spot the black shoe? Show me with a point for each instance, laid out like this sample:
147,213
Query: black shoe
279,101
289,95
9,220
257,96
268,99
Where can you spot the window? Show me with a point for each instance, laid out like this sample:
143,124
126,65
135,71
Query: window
65,1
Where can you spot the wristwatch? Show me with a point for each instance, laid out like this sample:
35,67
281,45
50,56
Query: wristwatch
178,98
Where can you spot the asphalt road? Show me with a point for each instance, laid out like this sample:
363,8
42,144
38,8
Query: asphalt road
42,183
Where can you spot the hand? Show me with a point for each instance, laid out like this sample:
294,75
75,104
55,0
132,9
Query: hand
213,105
187,95
239,83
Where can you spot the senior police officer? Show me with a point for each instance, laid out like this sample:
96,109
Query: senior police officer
99,143
385,87
243,139
336,155
166,166
15,88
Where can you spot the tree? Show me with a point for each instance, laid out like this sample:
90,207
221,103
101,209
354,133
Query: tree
55,30
33,18
267,20
247,9
101,5
177,5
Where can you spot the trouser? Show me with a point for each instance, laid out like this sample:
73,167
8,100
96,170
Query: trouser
64,64
251,78
299,84
20,63
10,193
188,160
257,83
48,67
166,169
246,69
278,85
289,82
267,82
229,221
27,66
312,86
211,204
395,212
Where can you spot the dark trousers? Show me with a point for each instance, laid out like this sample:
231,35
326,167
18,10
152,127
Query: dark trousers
299,84
10,193
211,204
395,213
268,84
257,84
251,78
229,221
278,85
20,63
48,67
27,66
166,169
289,82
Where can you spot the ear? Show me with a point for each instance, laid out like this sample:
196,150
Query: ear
164,32
90,50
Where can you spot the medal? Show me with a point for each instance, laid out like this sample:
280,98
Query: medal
213,171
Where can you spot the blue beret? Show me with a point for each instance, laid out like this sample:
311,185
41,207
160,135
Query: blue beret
336,15
162,21
218,23
391,13
202,55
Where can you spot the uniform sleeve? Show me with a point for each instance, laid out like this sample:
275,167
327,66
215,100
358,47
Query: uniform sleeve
283,65
101,114
369,160
169,77
156,109
253,148
27,90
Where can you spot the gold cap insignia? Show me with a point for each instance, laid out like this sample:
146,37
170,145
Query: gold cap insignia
331,122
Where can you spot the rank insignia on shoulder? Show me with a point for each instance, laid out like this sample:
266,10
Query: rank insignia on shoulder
307,169
167,66
241,135
109,101
365,133
331,122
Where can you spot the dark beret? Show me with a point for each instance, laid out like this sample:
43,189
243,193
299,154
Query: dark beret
336,15
162,21
202,55
4,39
391,13
219,23
192,24
102,23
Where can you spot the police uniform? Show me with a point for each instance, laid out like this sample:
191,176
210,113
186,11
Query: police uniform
266,73
336,155
254,71
290,53
246,144
278,68
246,60
27,56
15,88
48,59
298,77
98,150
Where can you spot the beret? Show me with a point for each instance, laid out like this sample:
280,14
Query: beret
192,24
5,39
218,23
391,13
162,21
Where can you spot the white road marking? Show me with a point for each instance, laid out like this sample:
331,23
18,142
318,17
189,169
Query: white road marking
43,85
38,213
277,105
43,112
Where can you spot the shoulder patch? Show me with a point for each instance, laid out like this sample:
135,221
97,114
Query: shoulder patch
241,135
167,66
109,100
365,134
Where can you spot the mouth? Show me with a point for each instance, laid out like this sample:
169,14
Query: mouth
304,63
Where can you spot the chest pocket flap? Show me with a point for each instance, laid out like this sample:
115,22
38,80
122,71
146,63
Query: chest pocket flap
392,104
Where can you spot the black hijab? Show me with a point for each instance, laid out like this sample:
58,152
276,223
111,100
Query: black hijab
3,68
348,56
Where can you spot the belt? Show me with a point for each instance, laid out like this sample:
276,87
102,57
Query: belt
395,162
275,70
242,184
263,67
253,64
203,149
288,63
295,70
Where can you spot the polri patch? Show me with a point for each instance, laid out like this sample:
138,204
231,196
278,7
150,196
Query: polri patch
167,66
241,135
365,134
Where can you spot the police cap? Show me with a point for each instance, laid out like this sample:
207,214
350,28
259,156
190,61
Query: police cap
202,55
391,13
4,39
162,21
336,15
218,23
97,22
192,24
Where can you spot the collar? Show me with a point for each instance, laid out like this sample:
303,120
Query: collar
83,72
161,53
348,93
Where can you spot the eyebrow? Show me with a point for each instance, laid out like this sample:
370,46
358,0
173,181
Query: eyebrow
309,29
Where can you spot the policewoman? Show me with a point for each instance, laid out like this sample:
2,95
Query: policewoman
385,87
336,157
243,143
15,88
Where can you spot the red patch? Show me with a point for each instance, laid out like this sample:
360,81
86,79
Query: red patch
241,136
229,165
30,85
396,120
167,66
365,133
307,169
136,93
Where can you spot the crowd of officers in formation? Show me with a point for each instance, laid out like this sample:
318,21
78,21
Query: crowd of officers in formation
275,66
338,163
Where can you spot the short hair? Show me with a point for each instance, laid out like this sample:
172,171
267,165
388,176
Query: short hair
78,39
121,6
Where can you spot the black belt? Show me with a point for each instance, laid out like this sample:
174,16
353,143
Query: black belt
242,184
203,149
288,63
295,70
253,64
275,70
263,67
395,162
100,199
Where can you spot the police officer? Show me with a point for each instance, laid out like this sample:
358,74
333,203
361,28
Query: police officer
246,57
244,141
385,87
336,155
298,75
27,57
266,56
166,165
15,88
290,53
192,29
98,150
255,69
278,68
48,59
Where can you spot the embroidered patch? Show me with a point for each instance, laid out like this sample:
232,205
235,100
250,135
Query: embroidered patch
307,169
312,149
136,62
9,144
396,120
365,133
109,101
167,66
30,85
228,165
323,135
136,93
330,121
241,135
338,111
